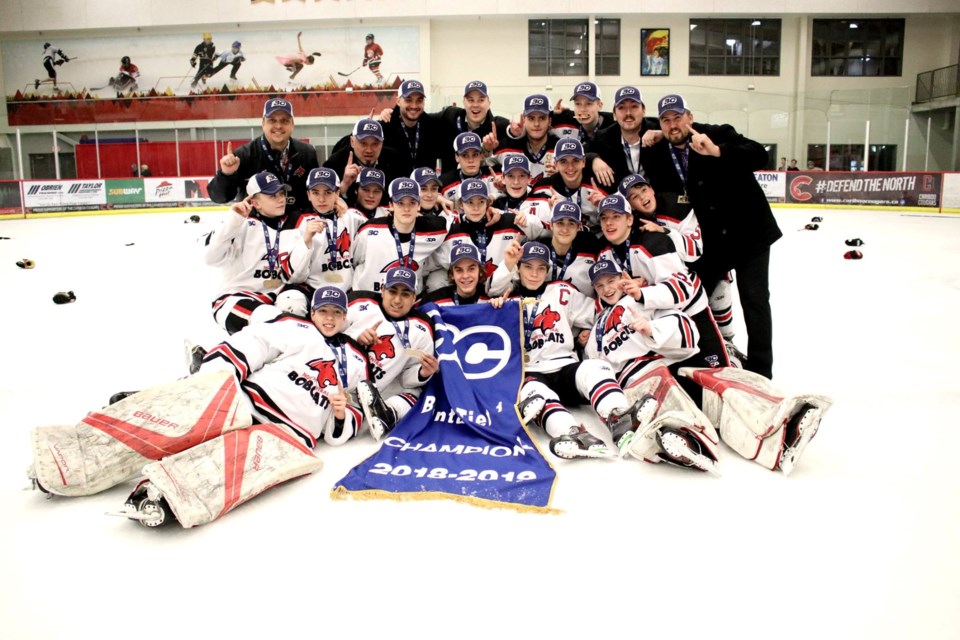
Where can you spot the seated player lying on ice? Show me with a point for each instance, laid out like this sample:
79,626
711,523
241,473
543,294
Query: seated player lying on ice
753,418
290,377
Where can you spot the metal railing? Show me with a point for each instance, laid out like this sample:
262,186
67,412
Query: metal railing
939,83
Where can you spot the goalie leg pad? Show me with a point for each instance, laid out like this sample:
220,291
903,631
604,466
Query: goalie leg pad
204,483
111,446
752,414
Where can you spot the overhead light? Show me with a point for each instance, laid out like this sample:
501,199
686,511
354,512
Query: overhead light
731,42
867,59
755,23
577,52
572,63
853,25
692,27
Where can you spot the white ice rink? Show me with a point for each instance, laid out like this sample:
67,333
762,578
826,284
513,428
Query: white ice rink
862,541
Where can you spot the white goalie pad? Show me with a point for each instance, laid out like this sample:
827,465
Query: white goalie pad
752,414
111,446
675,409
207,481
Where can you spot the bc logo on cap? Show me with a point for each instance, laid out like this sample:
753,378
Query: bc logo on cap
461,248
538,251
536,102
568,146
330,293
374,173
627,91
476,84
514,160
414,85
583,87
371,126
668,100
475,186
269,178
278,103
564,207
403,273
406,184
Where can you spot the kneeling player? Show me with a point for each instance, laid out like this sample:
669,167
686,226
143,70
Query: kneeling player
400,351
555,377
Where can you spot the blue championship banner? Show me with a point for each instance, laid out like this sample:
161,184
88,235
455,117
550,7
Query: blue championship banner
463,440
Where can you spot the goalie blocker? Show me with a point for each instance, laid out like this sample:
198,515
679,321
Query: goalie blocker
111,446
755,419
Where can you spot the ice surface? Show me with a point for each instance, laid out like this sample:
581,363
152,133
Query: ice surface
860,542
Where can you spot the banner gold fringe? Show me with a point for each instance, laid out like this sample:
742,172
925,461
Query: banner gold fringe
341,493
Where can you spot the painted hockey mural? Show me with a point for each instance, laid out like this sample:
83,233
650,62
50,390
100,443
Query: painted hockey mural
207,75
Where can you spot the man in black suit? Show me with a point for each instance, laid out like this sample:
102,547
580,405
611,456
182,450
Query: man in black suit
710,167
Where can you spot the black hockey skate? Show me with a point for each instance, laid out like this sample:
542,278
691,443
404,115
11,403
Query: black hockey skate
195,355
734,355
579,443
623,425
531,407
147,506
120,395
800,430
380,417
682,450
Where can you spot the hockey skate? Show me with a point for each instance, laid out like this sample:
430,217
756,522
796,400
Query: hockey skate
799,432
531,407
194,355
380,417
683,451
734,355
120,395
623,426
147,506
579,443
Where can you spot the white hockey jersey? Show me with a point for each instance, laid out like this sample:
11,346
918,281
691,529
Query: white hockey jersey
653,257
241,248
685,234
674,338
491,242
573,267
286,367
392,368
581,195
331,259
378,247
552,317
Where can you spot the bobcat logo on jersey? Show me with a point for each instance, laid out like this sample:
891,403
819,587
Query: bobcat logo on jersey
326,373
283,263
382,349
614,320
546,320
342,245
